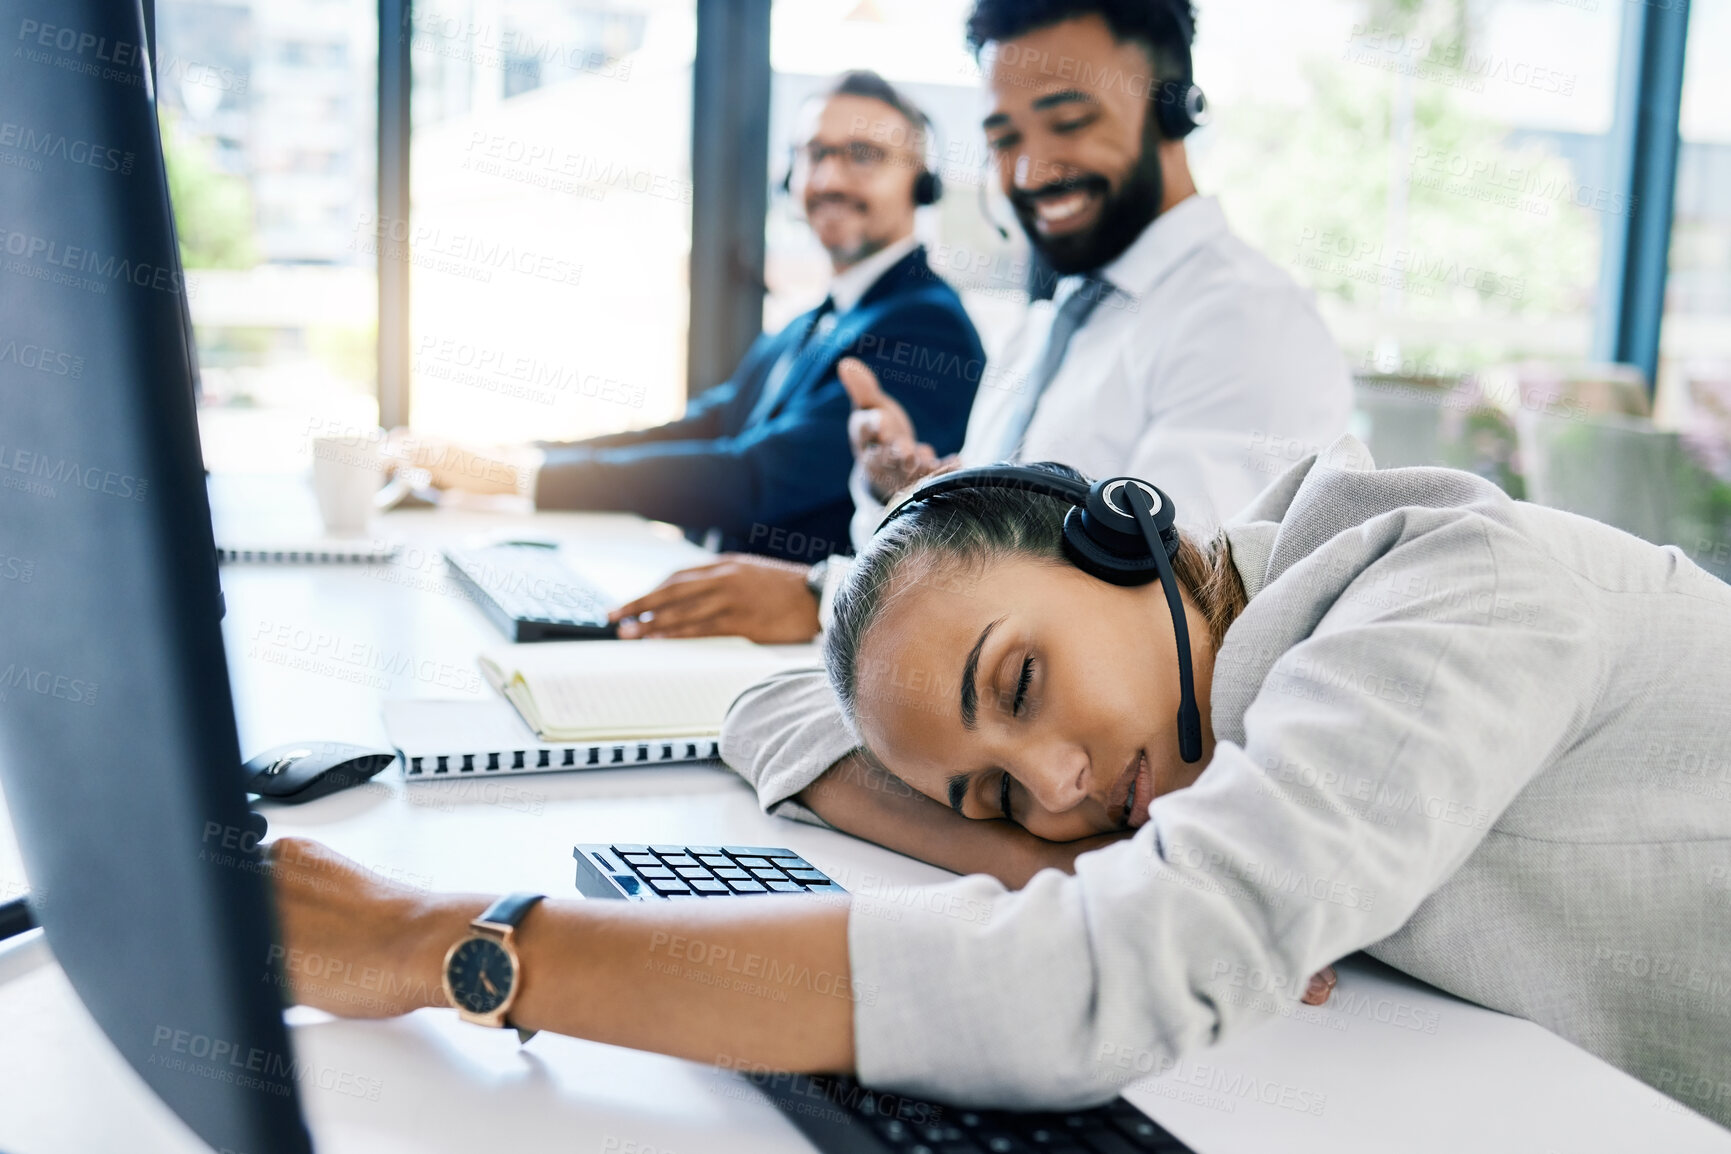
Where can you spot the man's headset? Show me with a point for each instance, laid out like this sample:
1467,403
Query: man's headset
1119,530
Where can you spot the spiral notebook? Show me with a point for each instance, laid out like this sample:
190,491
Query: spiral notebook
440,740
306,551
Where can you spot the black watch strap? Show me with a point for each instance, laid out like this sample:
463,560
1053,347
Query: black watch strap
510,909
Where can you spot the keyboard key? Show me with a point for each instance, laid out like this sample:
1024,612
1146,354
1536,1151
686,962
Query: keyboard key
766,874
732,873
706,886
692,871
665,850
753,862
666,886
806,875
655,872
679,859
785,887
746,886
1104,1141
628,850
1142,1131
826,888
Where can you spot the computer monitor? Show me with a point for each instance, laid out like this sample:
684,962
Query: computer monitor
118,749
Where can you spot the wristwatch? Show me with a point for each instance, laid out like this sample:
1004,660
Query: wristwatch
483,974
814,578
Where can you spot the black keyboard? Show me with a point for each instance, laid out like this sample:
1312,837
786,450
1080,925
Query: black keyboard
667,872
840,1116
529,594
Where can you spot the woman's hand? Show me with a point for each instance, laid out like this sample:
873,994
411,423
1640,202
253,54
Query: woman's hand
354,944
1321,986
644,975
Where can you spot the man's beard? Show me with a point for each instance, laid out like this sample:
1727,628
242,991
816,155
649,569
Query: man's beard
867,244
1123,215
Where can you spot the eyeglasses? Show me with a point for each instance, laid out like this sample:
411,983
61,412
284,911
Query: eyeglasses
856,155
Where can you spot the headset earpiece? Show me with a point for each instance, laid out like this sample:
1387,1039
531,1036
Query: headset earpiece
928,188
1180,108
1104,539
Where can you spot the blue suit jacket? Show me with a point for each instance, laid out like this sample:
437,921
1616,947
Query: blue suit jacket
778,484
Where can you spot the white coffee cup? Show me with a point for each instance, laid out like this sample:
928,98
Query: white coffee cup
347,474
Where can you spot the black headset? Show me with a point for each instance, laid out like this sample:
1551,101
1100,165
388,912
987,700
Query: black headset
1119,530
1179,106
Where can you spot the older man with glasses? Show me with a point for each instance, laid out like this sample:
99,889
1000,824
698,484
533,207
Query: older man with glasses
759,464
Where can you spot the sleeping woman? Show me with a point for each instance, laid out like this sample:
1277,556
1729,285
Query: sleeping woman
1486,742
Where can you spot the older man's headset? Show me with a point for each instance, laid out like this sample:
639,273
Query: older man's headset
1119,530
1180,108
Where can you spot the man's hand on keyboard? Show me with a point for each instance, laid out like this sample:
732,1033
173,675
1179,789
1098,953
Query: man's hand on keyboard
739,595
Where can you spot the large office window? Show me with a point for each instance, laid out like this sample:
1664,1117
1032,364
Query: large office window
1435,170
268,120
1695,342
551,220
919,46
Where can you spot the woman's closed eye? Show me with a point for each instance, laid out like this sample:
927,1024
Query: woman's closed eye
1026,679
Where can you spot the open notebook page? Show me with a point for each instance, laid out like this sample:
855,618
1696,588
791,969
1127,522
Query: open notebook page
603,690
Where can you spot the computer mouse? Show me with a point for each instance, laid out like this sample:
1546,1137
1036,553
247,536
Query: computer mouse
302,771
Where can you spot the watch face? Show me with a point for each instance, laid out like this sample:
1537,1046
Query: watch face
480,973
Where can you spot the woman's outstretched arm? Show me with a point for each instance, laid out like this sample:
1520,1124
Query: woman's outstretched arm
860,797
747,984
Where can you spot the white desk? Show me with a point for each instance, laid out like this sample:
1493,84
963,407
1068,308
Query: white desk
1480,1081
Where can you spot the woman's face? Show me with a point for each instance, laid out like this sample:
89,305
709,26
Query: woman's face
1030,690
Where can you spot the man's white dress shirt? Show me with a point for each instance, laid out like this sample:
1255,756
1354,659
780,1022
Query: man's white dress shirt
1207,371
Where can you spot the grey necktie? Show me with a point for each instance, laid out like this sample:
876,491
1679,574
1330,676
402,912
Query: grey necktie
1071,314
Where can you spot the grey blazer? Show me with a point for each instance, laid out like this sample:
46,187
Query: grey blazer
1487,742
